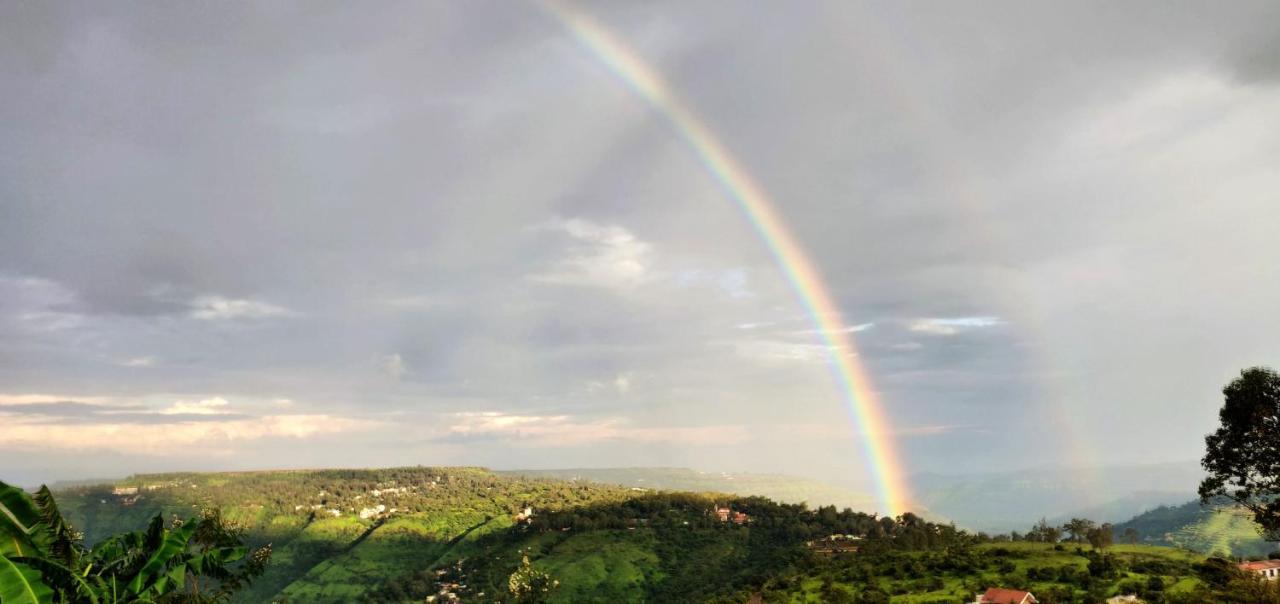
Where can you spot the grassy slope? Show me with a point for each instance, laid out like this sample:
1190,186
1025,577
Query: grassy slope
1218,530
296,553
604,566
322,558
401,545
1223,533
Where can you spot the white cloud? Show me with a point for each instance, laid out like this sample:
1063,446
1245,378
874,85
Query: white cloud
139,362
393,365
24,399
1161,111
602,256
620,384
951,326
732,282
163,439
125,426
845,329
564,430
208,406
218,308
781,350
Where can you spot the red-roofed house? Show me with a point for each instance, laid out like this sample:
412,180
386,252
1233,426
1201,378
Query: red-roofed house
996,595
1268,569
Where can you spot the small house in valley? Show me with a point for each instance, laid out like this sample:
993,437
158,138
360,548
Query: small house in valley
998,595
1267,569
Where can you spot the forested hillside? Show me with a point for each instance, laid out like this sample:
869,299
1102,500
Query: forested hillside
410,534
401,534
1218,529
337,534
778,487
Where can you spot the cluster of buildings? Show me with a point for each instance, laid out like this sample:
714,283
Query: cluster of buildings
728,515
367,513
447,589
835,544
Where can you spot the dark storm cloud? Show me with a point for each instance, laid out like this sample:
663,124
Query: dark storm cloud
429,209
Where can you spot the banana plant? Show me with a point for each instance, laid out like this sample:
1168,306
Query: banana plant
44,561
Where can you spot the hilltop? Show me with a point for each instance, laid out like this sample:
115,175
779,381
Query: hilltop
778,487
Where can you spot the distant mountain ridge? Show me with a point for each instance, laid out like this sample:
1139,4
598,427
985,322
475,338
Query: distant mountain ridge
1007,501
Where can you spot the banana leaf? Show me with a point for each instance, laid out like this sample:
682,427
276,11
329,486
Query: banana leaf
173,545
19,520
21,584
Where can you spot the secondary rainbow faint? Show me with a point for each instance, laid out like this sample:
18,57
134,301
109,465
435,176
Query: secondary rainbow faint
806,280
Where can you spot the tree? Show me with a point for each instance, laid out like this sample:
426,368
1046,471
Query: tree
1100,537
1078,528
528,584
1243,456
1043,531
1131,535
42,558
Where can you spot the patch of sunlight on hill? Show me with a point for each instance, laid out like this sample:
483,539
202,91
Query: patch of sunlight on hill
1225,533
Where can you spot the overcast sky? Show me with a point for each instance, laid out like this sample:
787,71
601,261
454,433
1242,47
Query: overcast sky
260,235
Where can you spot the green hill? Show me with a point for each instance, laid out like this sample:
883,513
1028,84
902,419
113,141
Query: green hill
397,534
405,534
778,487
1219,529
324,550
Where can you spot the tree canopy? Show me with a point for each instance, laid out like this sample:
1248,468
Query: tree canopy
1242,456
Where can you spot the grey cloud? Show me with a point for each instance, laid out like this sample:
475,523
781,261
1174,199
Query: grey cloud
347,196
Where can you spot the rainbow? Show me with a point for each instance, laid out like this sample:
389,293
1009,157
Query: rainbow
855,387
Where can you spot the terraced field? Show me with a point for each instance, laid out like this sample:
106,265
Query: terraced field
1222,533
1219,529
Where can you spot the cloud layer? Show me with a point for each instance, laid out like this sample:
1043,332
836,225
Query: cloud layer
448,235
